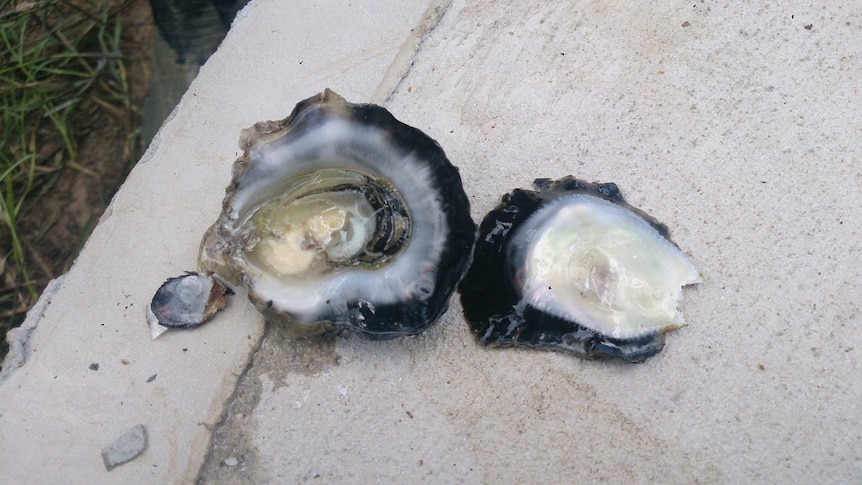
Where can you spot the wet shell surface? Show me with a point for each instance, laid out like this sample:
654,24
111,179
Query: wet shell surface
342,217
572,266
185,302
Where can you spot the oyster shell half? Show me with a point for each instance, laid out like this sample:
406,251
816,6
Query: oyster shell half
185,302
572,266
340,216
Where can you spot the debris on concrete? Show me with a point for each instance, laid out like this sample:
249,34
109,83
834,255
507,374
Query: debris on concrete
126,448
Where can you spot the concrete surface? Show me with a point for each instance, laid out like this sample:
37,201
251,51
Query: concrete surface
737,125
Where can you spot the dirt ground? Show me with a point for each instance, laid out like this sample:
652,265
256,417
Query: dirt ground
55,224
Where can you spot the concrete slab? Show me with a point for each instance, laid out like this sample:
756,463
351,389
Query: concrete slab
59,410
737,125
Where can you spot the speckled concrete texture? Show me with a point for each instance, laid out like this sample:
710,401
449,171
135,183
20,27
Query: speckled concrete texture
737,125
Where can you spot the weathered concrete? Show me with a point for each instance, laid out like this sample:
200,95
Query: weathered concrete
737,125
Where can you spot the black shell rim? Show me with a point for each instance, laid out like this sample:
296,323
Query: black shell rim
406,317
493,306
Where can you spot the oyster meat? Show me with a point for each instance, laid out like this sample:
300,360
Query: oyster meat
342,217
572,266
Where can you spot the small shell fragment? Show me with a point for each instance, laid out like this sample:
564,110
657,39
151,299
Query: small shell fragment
185,302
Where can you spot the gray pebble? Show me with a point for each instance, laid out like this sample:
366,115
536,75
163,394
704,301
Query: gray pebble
125,448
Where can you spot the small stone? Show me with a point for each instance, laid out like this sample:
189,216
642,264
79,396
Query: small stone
126,448
231,461
94,366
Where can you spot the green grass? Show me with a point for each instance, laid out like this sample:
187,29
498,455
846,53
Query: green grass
55,58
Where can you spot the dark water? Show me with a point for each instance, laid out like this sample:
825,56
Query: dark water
194,28
189,32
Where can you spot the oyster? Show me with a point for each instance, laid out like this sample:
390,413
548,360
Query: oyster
572,266
340,216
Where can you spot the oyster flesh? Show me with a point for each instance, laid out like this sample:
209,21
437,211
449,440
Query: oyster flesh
572,266
342,217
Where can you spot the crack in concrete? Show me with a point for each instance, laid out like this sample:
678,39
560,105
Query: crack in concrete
231,457
403,62
234,401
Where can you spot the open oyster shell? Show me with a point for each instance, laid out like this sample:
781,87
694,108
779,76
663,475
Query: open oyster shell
340,216
572,266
